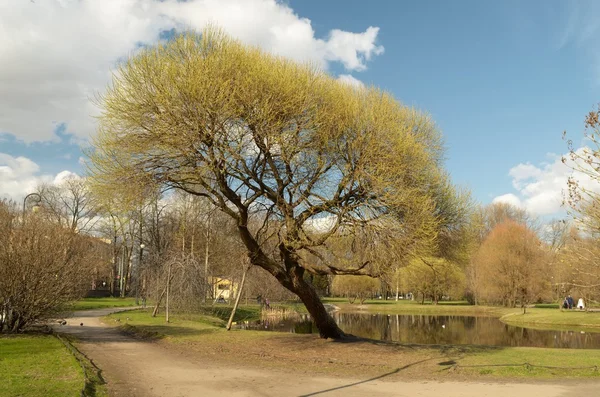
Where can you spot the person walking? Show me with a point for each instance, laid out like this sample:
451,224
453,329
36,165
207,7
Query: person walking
570,299
580,304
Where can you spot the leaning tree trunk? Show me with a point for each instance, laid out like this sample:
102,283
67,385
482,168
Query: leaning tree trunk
158,302
237,299
168,290
307,293
291,277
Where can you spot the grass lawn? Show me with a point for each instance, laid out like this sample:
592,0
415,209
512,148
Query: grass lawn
183,325
101,303
204,337
553,318
209,319
38,365
571,363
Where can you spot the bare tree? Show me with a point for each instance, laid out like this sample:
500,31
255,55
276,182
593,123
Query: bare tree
583,202
576,265
69,203
120,223
42,266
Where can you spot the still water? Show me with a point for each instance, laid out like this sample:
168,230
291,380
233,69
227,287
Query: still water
424,329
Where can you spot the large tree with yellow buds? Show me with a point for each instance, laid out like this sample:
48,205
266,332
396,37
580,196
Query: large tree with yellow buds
300,160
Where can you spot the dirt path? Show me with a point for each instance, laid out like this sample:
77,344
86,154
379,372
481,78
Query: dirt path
134,368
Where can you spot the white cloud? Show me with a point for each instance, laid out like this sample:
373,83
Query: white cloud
63,176
540,188
20,176
508,198
523,173
321,224
351,80
352,49
57,54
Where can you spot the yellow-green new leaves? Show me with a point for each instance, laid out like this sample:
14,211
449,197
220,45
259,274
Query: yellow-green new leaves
263,135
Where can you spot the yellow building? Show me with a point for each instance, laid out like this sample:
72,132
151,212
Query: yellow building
223,288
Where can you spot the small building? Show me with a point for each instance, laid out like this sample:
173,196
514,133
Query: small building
223,288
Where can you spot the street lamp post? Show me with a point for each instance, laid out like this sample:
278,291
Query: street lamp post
38,199
139,274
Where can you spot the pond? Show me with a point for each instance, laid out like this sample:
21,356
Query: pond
428,329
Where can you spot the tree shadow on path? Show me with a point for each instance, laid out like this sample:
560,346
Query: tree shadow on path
368,380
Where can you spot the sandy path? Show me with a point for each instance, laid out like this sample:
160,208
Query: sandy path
134,368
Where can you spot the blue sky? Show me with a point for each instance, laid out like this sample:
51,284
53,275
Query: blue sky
501,79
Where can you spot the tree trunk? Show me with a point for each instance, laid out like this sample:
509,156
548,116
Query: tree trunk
128,278
306,292
158,302
112,285
115,268
139,263
292,279
168,290
162,294
122,279
237,299
384,290
207,288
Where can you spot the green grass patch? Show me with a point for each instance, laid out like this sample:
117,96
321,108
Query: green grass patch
101,303
182,327
38,365
207,319
553,319
94,386
547,306
530,362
